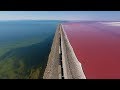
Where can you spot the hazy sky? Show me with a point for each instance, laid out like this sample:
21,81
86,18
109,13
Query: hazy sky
60,15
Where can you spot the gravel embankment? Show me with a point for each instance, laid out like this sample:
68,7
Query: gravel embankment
52,69
72,68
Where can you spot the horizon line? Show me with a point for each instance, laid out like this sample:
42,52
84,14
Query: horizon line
51,20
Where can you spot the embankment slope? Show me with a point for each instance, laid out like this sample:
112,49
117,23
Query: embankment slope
72,68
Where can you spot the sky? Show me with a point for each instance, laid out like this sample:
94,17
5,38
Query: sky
60,15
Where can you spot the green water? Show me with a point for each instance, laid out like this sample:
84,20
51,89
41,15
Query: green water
24,48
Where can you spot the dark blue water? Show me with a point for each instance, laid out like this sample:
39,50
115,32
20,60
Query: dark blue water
25,47
16,30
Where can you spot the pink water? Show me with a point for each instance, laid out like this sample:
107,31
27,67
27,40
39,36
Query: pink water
97,47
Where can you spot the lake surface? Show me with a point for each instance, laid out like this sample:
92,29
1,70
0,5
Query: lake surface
97,47
24,48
